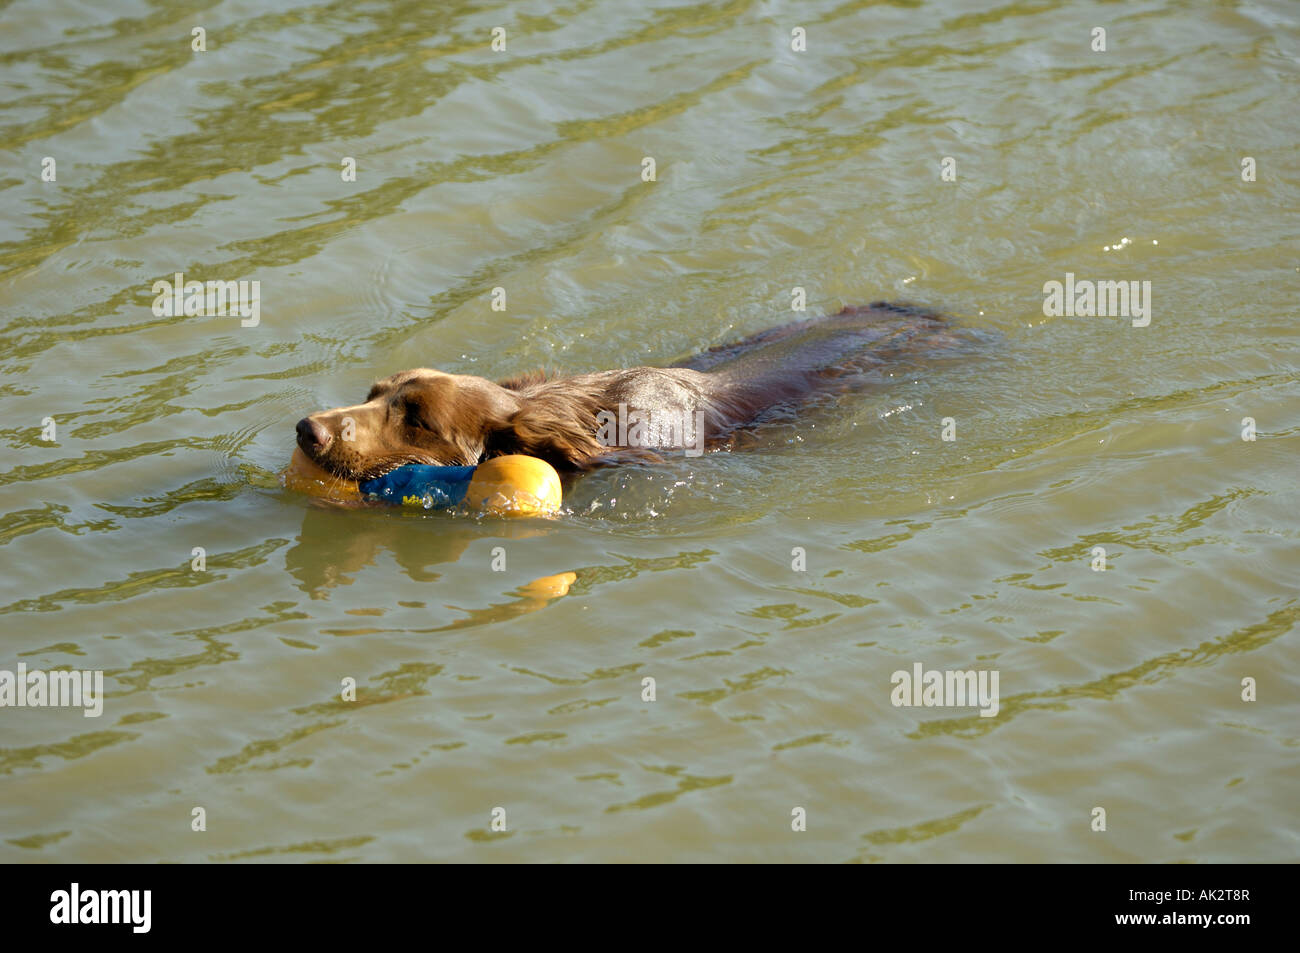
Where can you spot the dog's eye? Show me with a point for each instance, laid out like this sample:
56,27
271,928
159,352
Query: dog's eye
410,412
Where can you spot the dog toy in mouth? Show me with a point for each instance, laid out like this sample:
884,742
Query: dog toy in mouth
513,485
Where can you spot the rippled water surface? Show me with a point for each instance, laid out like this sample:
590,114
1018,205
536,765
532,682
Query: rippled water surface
522,169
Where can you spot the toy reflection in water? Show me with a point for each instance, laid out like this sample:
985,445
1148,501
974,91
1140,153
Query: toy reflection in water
345,534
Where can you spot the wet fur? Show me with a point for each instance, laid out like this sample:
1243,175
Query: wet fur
427,416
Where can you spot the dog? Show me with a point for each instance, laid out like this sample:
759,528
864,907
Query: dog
431,417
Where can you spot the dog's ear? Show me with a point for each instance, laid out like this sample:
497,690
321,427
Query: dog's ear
563,436
450,424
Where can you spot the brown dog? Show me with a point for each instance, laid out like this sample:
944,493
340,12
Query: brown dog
427,416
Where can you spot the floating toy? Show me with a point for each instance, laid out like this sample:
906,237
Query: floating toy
513,485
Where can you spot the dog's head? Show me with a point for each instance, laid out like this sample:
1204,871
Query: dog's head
418,416
427,416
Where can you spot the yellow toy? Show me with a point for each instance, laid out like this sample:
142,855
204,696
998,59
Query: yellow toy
513,485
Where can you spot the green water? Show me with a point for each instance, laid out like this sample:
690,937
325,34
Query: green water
522,169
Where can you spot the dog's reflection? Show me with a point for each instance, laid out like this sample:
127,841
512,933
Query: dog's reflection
338,542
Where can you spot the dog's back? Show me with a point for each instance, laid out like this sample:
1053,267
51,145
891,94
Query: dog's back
795,362
856,337
734,386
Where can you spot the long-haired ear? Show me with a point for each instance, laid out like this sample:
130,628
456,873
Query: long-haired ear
563,436
458,428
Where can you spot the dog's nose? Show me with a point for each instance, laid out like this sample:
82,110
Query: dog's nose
313,437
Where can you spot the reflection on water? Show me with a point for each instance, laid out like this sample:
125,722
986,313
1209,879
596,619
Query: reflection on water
338,545
695,648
